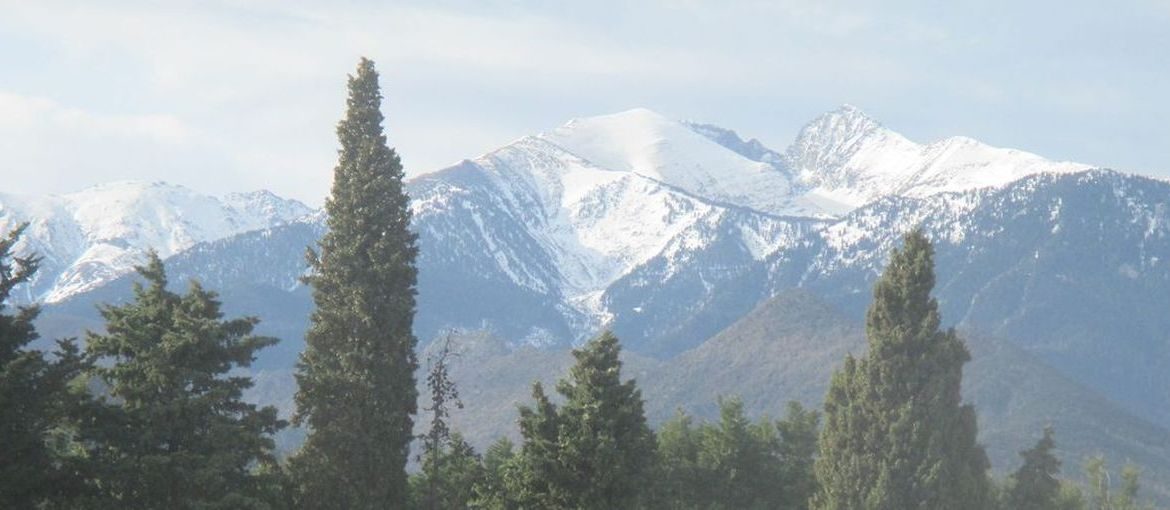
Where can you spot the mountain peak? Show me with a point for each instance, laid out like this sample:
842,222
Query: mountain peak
851,158
838,129
676,154
634,117
849,110
830,143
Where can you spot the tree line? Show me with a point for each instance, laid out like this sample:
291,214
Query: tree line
150,412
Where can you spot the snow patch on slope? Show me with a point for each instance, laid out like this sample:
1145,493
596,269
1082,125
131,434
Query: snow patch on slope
647,144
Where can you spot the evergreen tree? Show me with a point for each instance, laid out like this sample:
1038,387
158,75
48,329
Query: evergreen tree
357,391
492,491
737,464
680,481
438,440
1034,485
538,479
34,394
797,453
739,461
449,476
896,434
596,451
172,430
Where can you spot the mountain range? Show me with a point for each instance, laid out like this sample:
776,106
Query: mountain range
671,232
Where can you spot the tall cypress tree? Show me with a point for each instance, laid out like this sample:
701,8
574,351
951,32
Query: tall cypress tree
897,435
356,375
175,431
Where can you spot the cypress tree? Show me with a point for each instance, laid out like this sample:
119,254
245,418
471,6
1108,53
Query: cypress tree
356,381
34,394
896,434
1034,485
174,431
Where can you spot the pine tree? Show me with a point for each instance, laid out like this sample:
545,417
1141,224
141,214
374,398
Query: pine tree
1034,485
173,430
449,476
680,481
736,463
896,434
596,451
438,441
737,456
492,491
356,381
797,453
34,394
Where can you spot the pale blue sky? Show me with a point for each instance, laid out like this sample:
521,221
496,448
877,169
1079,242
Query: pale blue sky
237,95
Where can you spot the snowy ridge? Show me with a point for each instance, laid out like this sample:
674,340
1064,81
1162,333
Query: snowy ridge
579,224
569,213
650,145
848,157
94,235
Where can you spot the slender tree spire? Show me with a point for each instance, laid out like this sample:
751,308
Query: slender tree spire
356,380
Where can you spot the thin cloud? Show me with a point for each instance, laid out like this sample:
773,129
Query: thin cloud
25,114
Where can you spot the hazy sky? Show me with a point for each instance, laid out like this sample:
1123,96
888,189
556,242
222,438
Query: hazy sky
238,95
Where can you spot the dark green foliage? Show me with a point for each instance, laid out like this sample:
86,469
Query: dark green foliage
34,395
896,433
172,430
356,381
737,457
679,478
1034,485
595,451
500,466
449,476
737,464
797,453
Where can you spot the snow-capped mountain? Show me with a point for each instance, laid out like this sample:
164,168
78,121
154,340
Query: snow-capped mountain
562,215
92,236
851,158
575,227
